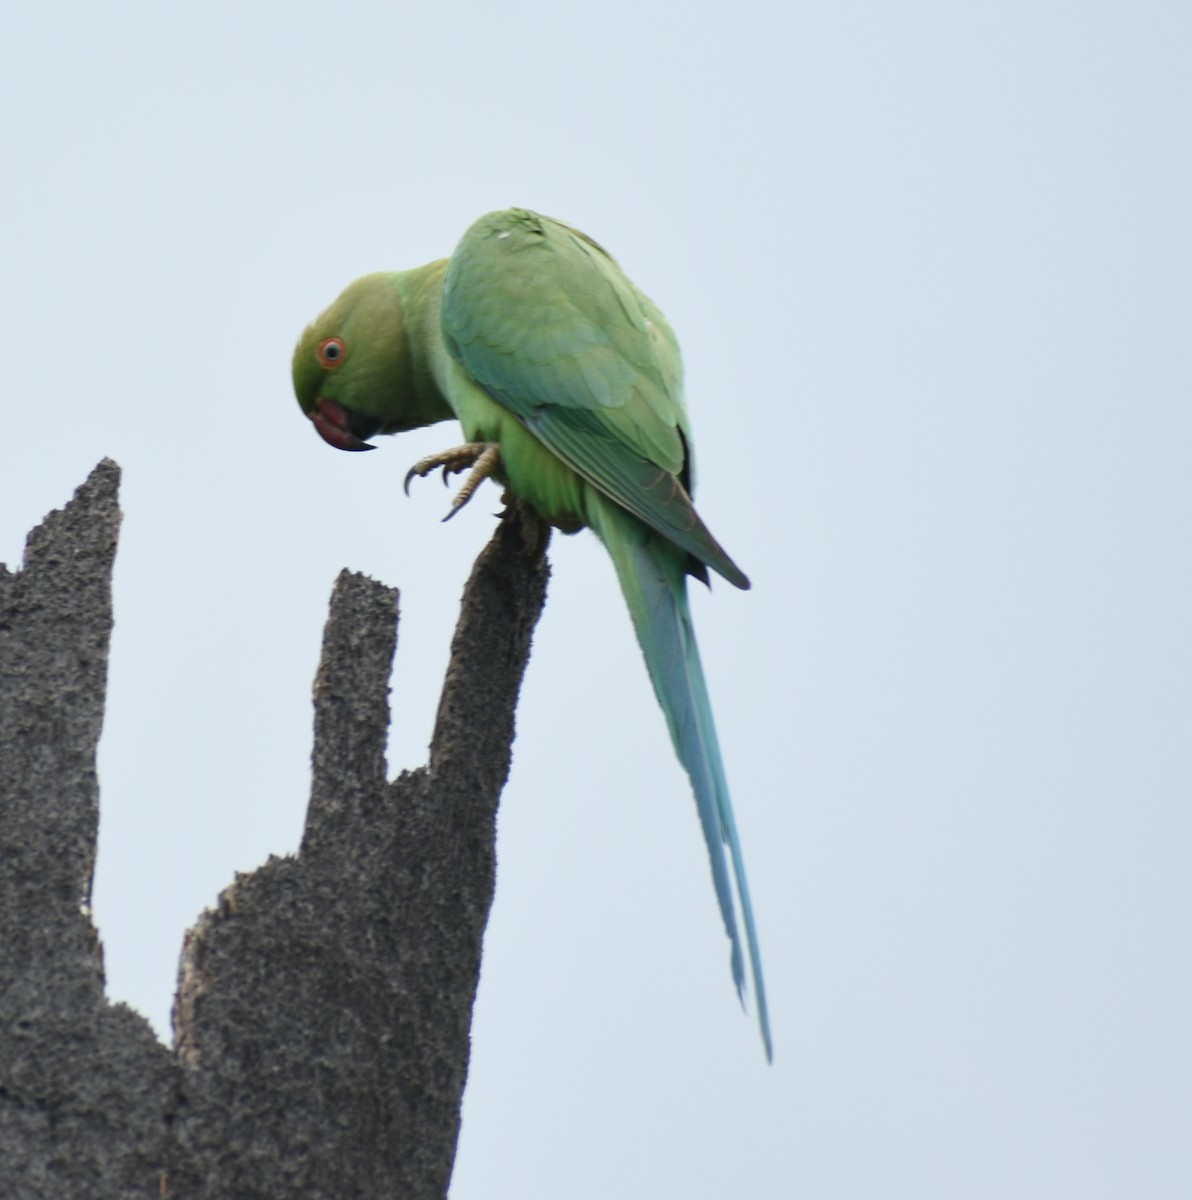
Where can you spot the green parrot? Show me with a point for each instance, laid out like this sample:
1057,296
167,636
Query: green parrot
568,384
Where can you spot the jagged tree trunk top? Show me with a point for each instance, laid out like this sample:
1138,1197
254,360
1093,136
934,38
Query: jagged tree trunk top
324,1005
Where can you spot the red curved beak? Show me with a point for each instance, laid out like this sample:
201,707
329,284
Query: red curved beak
340,427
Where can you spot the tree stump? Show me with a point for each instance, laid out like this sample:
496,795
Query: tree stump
324,1005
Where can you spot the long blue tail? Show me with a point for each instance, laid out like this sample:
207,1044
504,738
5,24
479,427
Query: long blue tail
653,579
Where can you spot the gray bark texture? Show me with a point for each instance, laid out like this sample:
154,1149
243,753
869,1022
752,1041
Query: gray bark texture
324,1005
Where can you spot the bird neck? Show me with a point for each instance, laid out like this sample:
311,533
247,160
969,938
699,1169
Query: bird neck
421,291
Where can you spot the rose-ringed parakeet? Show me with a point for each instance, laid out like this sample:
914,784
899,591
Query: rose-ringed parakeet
568,384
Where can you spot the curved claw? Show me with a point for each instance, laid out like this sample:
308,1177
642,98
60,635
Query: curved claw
482,457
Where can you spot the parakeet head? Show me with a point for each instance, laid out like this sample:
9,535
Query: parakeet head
352,370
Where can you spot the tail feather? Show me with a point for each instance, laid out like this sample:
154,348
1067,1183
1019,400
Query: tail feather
653,578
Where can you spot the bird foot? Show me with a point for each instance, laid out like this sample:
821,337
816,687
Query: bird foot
533,529
483,457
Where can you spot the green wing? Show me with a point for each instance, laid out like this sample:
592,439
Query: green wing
547,323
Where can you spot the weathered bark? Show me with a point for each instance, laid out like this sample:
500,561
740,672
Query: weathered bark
323,1010
85,1087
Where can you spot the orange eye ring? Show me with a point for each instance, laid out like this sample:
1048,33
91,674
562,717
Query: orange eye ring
331,352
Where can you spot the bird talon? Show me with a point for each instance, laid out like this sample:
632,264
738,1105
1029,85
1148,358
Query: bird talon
483,457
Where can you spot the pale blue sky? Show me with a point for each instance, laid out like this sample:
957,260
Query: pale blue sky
930,265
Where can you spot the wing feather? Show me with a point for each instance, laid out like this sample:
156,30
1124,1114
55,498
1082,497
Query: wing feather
544,319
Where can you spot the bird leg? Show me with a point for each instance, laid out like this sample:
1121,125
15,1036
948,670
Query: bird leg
533,528
483,457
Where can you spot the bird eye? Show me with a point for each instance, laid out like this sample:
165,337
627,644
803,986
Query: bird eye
331,351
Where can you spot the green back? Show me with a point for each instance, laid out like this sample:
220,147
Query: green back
548,324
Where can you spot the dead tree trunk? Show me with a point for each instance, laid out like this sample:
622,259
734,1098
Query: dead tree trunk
323,1008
